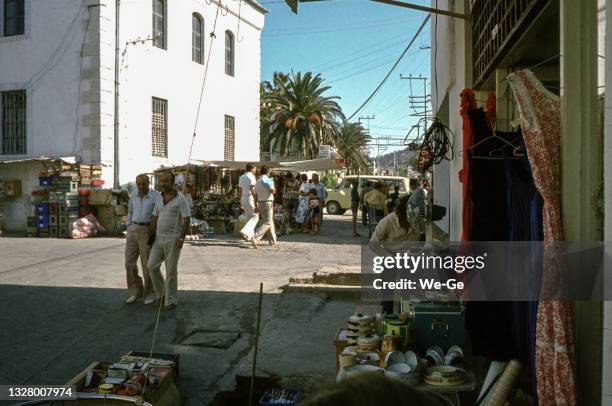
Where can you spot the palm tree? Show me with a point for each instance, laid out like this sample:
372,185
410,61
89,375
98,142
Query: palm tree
351,142
301,117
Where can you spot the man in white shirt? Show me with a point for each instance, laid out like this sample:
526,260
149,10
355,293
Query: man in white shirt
264,189
247,201
169,226
140,210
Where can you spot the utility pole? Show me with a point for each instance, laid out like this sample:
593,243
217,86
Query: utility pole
368,118
417,101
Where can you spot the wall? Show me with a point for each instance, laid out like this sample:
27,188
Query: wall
148,71
17,210
46,62
449,51
607,310
66,60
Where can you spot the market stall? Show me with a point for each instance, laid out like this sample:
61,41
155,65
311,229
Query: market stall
213,187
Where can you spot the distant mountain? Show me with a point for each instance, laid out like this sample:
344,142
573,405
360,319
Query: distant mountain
400,159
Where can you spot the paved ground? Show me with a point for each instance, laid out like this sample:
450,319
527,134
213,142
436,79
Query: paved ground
63,304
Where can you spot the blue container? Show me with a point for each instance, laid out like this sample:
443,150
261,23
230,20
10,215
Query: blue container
42,208
45,181
42,223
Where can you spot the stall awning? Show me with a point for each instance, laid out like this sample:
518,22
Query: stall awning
65,159
320,164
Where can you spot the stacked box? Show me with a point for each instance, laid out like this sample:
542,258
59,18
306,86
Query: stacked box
42,216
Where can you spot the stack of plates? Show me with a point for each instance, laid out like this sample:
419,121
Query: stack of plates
445,376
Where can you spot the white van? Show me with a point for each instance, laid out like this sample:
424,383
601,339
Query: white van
339,198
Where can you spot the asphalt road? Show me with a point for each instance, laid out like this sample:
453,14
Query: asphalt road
63,308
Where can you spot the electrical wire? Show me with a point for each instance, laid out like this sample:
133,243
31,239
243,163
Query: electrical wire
436,145
392,68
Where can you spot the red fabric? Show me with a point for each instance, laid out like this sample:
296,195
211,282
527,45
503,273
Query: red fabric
468,102
541,122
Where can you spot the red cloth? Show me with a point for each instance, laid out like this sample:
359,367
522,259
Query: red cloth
468,102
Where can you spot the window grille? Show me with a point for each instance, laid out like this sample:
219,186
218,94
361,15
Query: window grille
14,17
229,53
159,120
159,23
228,153
197,43
13,118
496,27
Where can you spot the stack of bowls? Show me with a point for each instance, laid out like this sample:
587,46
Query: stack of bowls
403,366
359,325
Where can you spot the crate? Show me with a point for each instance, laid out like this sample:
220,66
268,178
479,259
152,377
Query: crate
42,224
67,185
53,220
45,181
267,400
42,208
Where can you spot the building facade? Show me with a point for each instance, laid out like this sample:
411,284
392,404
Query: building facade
184,67
564,43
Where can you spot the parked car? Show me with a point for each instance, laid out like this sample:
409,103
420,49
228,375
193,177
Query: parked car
339,198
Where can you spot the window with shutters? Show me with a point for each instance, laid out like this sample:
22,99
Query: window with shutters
197,38
159,118
229,53
13,120
14,17
159,23
228,152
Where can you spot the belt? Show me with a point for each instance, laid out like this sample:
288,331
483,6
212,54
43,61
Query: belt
265,201
140,224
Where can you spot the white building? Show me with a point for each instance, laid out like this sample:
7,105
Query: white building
57,85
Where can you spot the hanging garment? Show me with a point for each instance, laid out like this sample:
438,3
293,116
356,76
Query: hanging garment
525,219
488,323
468,103
540,116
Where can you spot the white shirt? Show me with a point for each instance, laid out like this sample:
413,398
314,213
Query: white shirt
245,182
171,215
140,209
263,189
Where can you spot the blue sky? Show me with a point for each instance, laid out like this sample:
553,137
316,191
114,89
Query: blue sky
353,44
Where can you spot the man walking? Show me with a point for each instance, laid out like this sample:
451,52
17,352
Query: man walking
247,201
264,189
140,210
169,226
321,194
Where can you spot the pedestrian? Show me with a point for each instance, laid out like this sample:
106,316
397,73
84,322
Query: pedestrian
292,186
377,200
169,226
264,189
394,198
247,201
302,210
321,192
355,204
314,202
140,210
364,206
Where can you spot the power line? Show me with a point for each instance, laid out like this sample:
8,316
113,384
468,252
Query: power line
392,68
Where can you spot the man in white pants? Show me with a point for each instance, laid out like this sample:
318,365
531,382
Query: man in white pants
247,201
264,189
140,210
169,226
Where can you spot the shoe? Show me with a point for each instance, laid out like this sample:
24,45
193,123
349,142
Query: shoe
149,300
272,242
132,299
170,306
254,242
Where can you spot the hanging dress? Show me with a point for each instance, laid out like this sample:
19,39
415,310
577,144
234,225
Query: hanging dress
540,115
